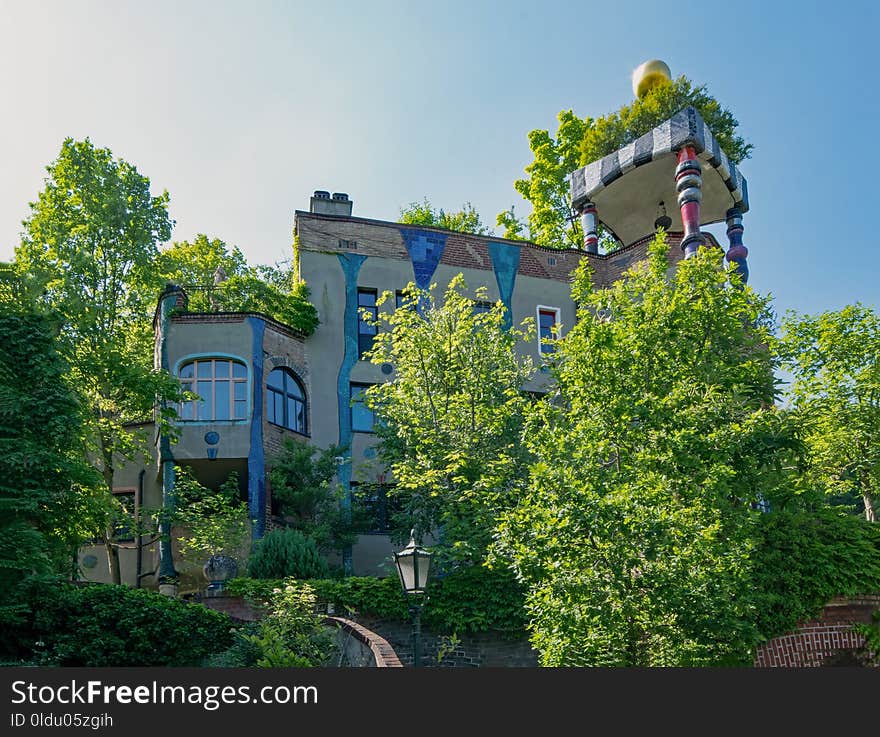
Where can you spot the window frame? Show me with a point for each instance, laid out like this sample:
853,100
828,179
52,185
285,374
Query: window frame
365,337
289,375
351,407
543,348
190,383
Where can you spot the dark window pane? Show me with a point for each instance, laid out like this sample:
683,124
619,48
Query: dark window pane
221,369
300,423
278,400
240,389
293,388
276,380
240,410
186,371
221,400
204,369
361,416
366,298
204,390
239,370
186,411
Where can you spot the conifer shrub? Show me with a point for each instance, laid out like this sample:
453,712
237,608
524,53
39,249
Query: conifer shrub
285,553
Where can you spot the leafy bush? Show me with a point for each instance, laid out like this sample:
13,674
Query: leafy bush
101,625
286,552
473,599
290,635
807,557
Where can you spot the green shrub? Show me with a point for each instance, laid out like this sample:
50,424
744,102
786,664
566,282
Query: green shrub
471,599
286,553
805,558
100,625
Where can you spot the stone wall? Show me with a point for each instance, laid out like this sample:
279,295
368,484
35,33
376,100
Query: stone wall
484,650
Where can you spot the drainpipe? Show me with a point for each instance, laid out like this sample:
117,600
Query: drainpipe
137,526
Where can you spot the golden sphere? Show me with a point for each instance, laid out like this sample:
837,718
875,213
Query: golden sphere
649,75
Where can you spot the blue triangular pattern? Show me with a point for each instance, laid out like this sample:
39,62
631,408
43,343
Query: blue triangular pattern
425,247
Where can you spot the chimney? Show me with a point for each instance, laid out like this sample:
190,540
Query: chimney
323,204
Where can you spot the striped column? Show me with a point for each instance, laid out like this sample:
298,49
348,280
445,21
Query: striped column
737,253
590,224
689,184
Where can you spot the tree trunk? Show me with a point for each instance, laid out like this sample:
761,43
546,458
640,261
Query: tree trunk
113,559
112,549
870,512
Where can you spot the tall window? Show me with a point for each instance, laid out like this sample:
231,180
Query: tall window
286,401
362,417
366,331
548,319
221,384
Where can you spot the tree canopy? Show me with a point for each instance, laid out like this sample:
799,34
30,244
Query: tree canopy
652,451
836,392
217,277
466,220
580,141
90,243
450,419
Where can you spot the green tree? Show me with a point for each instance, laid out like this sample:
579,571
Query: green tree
579,141
215,520
836,392
218,278
450,420
466,220
90,244
308,499
653,451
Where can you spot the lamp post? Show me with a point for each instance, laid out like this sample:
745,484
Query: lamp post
413,564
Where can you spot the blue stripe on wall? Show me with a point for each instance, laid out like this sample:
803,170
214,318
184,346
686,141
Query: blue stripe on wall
351,266
505,262
256,455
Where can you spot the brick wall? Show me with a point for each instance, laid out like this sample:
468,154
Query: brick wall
827,640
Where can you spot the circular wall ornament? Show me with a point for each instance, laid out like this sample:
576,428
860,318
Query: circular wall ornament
89,561
212,437
386,368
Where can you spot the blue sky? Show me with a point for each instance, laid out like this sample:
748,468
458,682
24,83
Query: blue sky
241,110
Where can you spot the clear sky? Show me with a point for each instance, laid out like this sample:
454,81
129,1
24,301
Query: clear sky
241,110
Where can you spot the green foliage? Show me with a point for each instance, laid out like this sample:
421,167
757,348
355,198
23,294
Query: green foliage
89,246
102,625
634,536
450,420
290,634
216,521
44,481
607,134
581,141
286,553
217,278
466,220
467,600
836,394
308,499
804,557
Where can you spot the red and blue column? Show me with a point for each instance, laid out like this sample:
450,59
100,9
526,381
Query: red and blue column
737,253
689,185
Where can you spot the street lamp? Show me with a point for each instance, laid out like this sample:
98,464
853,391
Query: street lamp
413,564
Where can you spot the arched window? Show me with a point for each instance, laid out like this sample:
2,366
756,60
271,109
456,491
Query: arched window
221,384
286,401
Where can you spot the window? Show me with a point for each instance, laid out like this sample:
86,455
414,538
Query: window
548,319
221,384
286,401
366,331
482,306
375,507
362,417
123,526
